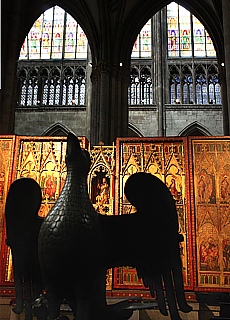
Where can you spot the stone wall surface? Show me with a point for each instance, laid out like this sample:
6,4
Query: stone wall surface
143,120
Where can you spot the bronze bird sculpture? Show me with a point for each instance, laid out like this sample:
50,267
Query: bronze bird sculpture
71,246
76,245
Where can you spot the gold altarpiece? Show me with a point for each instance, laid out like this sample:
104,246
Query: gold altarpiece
210,176
196,170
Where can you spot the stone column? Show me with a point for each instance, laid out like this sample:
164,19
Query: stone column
159,59
224,98
88,92
109,106
226,29
8,100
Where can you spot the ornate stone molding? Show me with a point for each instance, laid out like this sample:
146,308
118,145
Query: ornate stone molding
104,66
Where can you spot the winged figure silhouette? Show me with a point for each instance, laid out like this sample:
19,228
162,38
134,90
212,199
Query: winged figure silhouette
76,245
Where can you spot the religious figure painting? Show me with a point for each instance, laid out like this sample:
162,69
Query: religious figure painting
100,192
6,160
211,164
39,158
199,184
101,178
167,161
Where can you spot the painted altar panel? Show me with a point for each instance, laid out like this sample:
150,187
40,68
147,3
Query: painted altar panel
43,159
6,161
101,180
166,159
211,180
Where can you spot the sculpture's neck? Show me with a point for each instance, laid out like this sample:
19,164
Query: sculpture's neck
76,179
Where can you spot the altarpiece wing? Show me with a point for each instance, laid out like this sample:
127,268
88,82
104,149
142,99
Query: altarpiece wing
211,181
196,171
166,159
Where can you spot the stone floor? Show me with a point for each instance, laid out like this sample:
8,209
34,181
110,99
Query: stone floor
201,311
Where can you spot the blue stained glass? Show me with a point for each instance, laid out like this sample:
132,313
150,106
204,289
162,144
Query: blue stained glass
64,94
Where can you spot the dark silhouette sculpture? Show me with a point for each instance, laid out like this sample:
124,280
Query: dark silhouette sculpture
22,227
76,245
149,240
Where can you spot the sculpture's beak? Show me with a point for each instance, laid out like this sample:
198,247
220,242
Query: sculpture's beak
73,146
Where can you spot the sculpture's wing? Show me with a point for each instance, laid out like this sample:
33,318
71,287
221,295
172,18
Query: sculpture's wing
22,226
159,260
122,236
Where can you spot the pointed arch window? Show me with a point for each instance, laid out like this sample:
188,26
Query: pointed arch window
140,90
54,42
174,86
214,90
187,37
55,35
194,84
187,92
28,86
142,47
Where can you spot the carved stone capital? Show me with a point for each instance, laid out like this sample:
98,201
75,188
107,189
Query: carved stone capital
104,66
117,73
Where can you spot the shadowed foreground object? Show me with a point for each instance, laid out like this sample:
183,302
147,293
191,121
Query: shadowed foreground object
22,227
148,240
77,245
71,247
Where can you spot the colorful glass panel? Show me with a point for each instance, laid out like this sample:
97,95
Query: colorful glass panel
136,49
173,30
185,32
70,37
34,39
211,52
199,38
55,34
23,52
58,28
47,34
142,47
145,40
81,44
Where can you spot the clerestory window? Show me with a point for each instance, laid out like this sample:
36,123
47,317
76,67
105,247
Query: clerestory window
188,46
52,63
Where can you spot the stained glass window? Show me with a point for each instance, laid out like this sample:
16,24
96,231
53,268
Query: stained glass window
58,31
142,47
194,86
34,39
81,43
140,91
185,32
55,35
173,30
186,35
199,38
70,37
23,94
47,90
